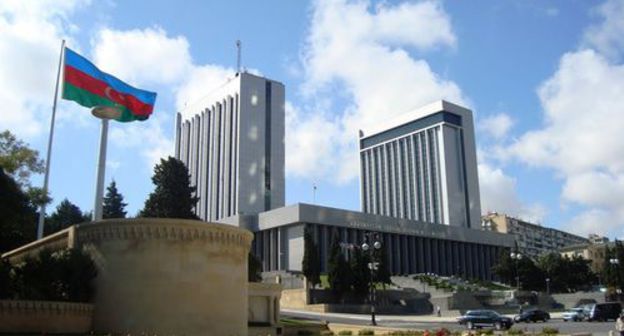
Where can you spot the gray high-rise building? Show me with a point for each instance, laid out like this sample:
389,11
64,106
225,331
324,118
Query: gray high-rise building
422,166
233,146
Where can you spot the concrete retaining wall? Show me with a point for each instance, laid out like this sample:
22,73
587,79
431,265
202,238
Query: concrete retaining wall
45,317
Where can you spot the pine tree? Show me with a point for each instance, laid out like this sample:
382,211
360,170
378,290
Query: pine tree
114,206
173,196
66,215
310,265
338,274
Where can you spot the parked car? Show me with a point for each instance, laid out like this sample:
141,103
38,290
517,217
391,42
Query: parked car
574,314
485,318
604,311
532,316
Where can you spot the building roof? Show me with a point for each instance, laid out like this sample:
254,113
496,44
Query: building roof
307,213
438,106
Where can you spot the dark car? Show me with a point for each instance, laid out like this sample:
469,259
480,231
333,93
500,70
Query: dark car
604,311
532,316
485,318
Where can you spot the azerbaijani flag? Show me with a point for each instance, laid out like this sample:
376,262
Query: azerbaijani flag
85,84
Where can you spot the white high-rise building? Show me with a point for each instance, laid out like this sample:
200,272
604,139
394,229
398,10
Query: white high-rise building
233,146
422,166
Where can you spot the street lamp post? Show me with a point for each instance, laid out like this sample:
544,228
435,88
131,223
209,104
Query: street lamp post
615,262
372,266
516,256
548,286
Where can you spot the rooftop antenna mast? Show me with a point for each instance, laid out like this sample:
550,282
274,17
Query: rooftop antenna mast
238,56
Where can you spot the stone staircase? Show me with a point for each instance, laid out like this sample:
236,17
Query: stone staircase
408,281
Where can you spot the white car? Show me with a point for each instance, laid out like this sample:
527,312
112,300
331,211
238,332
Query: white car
574,314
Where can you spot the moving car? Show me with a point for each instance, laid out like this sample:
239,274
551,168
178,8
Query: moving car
485,318
604,311
574,314
532,316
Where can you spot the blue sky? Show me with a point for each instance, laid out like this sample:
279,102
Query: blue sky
544,79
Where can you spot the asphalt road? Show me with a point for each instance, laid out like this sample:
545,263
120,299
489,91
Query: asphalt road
595,328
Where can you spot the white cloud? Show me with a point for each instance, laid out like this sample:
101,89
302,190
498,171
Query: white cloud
499,194
497,125
582,103
360,50
606,36
142,56
151,57
598,221
30,41
200,82
581,138
147,137
309,143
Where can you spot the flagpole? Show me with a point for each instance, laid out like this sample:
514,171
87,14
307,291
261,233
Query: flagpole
49,155
101,171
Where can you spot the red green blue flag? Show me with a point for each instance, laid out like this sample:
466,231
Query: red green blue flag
85,84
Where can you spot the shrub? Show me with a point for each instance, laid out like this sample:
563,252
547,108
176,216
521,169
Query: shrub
550,331
405,333
61,276
327,333
366,332
345,332
5,279
442,332
305,332
487,332
514,331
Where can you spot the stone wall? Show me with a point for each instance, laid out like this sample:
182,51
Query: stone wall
45,317
168,276
264,308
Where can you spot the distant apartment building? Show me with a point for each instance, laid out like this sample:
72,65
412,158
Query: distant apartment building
532,239
592,251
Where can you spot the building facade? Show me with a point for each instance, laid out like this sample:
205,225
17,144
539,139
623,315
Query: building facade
532,239
423,167
233,146
411,246
594,252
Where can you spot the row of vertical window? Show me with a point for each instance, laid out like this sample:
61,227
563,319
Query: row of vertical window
401,178
406,254
209,146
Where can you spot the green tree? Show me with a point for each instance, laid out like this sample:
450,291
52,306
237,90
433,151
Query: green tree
66,215
382,274
114,206
338,274
505,268
311,263
613,274
17,159
359,271
17,215
531,276
173,196
254,268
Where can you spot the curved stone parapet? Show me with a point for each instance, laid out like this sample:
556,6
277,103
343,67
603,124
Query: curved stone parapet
22,316
168,276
